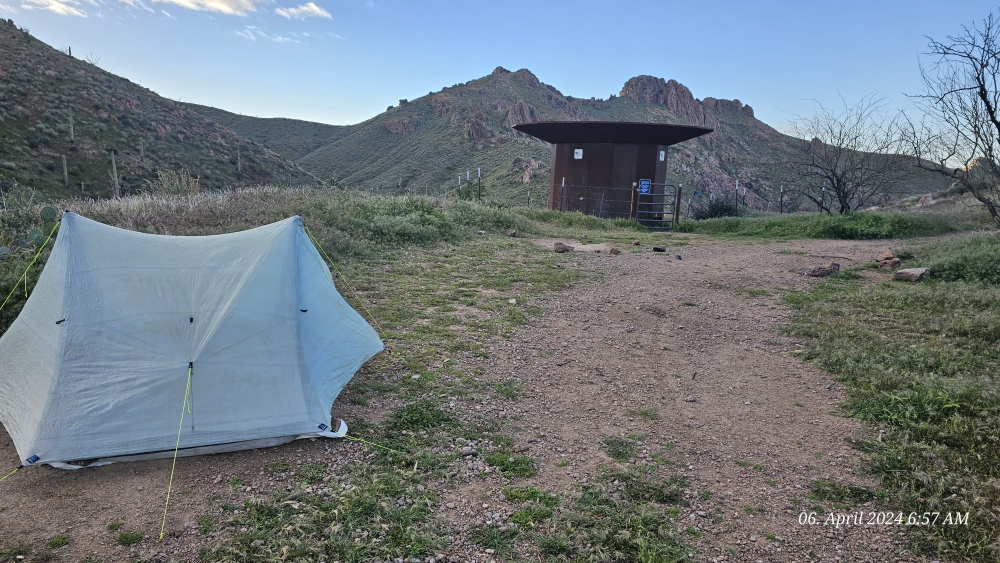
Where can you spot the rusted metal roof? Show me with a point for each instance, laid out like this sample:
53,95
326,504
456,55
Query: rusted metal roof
611,132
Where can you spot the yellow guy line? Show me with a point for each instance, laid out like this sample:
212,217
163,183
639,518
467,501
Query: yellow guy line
185,406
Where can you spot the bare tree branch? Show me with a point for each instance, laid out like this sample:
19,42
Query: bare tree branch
853,154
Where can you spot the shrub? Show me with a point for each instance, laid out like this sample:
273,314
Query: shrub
973,259
716,208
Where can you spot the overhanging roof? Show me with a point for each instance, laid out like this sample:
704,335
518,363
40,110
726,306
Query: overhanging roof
611,132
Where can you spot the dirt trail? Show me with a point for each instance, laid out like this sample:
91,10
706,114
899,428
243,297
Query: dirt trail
753,423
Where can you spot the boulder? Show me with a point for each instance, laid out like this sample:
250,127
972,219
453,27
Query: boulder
512,233
659,249
614,251
887,255
560,248
825,270
913,274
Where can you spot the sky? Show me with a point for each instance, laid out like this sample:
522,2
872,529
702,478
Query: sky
344,61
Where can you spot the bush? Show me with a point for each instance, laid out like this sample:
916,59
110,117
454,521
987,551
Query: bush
716,208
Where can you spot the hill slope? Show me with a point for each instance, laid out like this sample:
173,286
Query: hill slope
291,138
43,91
423,145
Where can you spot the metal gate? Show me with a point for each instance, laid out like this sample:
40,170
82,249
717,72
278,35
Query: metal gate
656,206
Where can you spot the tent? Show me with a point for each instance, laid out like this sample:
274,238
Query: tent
244,332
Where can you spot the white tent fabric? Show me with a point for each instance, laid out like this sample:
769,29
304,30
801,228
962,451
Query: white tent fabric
96,364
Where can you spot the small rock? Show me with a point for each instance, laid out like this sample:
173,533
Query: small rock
913,274
481,233
679,257
561,248
659,249
521,449
614,251
512,301
490,551
702,513
415,376
636,243
883,256
690,399
823,271
450,505
257,543
469,451
753,538
512,233
889,263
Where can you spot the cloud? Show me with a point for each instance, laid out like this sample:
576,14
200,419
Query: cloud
230,7
165,13
61,7
253,33
370,3
307,10
131,4
6,8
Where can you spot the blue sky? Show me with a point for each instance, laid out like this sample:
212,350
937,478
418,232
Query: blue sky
344,61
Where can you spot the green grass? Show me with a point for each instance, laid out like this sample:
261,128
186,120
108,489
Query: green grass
919,361
974,259
856,226
129,538
530,494
650,414
113,526
619,449
57,541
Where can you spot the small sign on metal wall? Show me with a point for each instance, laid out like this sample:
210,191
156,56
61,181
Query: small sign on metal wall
644,186
578,154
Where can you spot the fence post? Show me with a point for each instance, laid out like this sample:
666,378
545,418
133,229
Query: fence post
677,207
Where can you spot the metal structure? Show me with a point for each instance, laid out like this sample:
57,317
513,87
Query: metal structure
613,169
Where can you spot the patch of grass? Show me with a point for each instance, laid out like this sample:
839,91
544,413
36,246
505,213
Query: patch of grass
758,293
561,463
618,449
276,467
421,415
511,465
510,389
113,526
530,494
57,541
494,537
644,485
974,259
705,495
599,527
311,472
855,226
129,538
833,491
754,510
649,414
206,523
919,362
530,515
236,482
21,549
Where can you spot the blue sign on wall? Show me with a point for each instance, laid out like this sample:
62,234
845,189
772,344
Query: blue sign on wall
644,186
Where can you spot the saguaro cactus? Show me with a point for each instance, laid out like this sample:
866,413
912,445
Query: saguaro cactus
114,176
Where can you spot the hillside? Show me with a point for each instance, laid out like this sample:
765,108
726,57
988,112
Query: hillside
291,138
54,105
423,145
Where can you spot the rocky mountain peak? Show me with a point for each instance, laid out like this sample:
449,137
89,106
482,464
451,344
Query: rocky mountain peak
678,98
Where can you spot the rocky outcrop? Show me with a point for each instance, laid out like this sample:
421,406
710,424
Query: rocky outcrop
520,112
499,70
401,126
677,98
913,274
825,270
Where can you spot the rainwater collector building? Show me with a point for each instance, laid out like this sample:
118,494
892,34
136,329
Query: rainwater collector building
613,169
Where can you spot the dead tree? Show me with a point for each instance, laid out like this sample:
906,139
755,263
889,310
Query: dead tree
958,134
851,157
